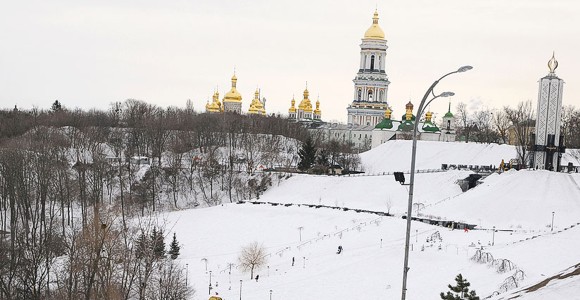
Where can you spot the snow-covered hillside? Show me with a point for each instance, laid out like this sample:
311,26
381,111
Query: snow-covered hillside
395,155
518,203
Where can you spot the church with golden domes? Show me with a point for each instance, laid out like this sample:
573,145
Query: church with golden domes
304,112
232,102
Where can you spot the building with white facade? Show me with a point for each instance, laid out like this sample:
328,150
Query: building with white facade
305,112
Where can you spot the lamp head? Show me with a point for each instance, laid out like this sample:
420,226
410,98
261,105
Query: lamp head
464,68
446,94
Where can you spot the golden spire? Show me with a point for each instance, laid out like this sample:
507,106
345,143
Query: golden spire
553,63
375,31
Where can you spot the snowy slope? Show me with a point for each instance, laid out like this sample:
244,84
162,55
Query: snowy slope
365,192
518,203
396,155
517,200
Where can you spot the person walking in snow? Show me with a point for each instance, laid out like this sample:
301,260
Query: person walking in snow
293,261
257,276
339,250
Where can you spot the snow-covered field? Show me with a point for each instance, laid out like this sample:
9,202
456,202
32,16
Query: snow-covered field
519,204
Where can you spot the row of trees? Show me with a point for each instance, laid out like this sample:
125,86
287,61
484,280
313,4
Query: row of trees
513,125
76,194
318,157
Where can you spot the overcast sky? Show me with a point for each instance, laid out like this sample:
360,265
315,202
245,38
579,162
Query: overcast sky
90,53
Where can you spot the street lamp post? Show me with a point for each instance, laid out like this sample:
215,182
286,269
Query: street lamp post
552,227
240,289
413,156
270,294
493,237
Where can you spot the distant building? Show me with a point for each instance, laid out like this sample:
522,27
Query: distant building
369,116
389,129
232,102
304,112
257,107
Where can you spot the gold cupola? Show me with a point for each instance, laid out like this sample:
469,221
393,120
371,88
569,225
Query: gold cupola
388,113
409,111
305,104
375,32
317,110
256,107
215,106
233,95
292,109
428,116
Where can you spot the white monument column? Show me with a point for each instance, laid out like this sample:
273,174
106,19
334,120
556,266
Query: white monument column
548,144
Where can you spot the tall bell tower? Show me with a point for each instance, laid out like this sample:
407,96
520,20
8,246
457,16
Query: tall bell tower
371,82
548,143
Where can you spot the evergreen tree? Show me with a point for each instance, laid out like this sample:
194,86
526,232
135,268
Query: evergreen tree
460,291
174,248
56,106
142,245
322,158
158,243
307,155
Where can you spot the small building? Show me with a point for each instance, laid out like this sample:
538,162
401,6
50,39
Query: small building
335,170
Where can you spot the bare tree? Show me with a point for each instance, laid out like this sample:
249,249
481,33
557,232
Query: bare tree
464,121
522,120
571,126
252,257
501,123
483,120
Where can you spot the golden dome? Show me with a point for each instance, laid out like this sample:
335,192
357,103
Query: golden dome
305,104
428,116
317,110
292,109
233,95
388,113
215,105
256,107
409,106
375,32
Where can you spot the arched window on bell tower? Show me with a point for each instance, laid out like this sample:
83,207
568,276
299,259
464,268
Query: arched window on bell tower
370,96
372,62
359,94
